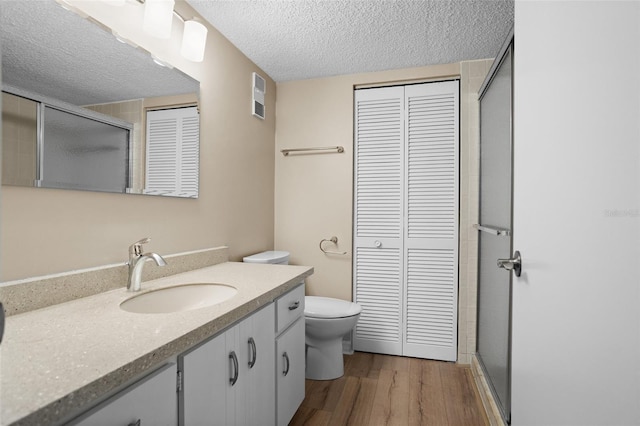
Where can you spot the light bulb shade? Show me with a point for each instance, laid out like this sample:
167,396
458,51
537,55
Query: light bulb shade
194,40
158,17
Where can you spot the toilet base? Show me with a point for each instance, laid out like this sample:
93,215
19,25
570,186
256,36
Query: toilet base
325,362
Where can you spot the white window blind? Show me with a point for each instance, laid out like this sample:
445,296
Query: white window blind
172,154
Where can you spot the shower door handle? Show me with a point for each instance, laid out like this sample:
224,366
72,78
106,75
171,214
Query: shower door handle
514,264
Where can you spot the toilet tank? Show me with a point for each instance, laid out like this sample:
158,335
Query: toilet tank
274,257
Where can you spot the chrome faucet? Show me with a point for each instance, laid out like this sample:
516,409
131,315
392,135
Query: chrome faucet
137,260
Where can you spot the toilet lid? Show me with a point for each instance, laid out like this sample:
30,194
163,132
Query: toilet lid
326,307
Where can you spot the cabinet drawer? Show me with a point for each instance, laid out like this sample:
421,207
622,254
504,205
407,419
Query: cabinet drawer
150,401
289,307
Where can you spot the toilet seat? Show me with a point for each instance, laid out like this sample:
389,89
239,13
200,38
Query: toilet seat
327,308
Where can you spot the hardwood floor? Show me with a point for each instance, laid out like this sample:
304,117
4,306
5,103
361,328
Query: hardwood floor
389,390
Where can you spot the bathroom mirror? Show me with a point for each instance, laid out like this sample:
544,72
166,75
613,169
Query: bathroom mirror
75,107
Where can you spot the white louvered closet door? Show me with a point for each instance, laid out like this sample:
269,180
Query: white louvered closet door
431,220
379,160
406,198
172,152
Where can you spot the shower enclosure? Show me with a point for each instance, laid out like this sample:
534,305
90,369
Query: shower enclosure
495,225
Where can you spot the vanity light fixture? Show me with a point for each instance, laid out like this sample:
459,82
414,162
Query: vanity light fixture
194,40
158,17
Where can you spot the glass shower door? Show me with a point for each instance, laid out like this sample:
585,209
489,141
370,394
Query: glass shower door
494,238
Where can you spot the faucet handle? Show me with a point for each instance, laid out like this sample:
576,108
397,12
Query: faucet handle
135,249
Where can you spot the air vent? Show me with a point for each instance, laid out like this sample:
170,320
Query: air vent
259,88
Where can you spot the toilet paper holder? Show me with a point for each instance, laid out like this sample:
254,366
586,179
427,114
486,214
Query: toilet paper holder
333,240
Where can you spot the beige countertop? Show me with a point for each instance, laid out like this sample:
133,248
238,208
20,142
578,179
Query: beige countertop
61,359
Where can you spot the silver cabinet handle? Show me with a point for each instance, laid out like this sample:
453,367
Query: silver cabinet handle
234,358
254,352
286,361
294,305
514,264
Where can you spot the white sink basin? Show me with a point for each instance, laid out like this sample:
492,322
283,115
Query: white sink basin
179,298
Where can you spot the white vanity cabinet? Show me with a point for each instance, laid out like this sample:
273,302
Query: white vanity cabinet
290,356
149,401
229,379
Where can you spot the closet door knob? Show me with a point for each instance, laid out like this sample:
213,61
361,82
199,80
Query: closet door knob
378,244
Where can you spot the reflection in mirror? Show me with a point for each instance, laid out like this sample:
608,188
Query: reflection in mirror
76,104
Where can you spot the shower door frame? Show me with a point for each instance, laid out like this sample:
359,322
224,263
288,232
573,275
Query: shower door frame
506,49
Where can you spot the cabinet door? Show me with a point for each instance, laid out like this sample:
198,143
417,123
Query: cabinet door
236,367
258,337
290,368
150,401
205,380
220,387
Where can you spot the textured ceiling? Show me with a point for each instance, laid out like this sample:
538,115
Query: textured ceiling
54,52
294,40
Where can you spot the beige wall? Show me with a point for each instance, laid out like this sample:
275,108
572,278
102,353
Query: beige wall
313,195
47,231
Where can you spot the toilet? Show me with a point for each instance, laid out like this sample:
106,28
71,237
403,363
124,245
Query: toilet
327,320
274,257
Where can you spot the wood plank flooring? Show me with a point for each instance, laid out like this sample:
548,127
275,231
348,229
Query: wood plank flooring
390,390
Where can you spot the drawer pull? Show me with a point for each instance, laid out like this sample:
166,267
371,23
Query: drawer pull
136,423
294,305
286,363
234,378
254,352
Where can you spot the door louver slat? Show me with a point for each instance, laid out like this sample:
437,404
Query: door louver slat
379,137
378,290
430,297
431,132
